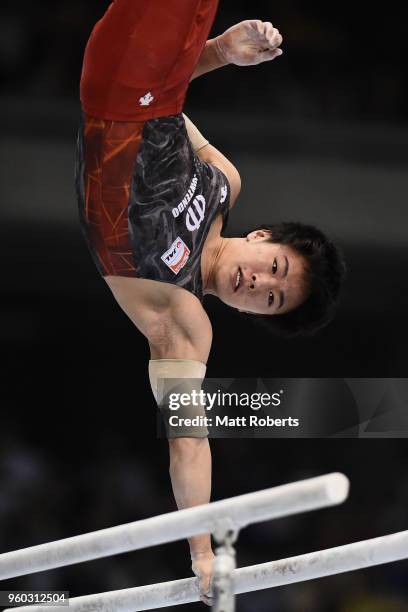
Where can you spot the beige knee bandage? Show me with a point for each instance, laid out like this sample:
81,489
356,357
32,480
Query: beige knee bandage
170,379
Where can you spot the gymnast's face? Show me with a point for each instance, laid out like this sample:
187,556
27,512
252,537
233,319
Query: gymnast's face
261,277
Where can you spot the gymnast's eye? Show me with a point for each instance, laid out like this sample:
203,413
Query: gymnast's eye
270,298
274,266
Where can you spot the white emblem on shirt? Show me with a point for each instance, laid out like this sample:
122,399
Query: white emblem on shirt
146,99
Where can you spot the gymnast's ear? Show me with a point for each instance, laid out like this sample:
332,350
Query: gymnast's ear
259,234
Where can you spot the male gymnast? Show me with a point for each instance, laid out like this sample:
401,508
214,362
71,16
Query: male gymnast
154,198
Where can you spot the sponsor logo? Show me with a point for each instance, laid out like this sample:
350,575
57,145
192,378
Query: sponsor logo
224,192
195,213
187,198
176,256
146,99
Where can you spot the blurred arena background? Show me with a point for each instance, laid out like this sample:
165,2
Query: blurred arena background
319,136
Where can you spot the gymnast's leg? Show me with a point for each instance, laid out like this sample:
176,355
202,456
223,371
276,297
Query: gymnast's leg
141,55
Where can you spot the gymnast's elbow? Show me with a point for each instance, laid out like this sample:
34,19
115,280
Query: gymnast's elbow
234,180
168,341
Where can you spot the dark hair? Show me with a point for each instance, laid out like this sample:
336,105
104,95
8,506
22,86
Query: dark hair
324,274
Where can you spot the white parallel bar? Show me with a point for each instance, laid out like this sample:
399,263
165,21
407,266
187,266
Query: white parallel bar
254,578
238,512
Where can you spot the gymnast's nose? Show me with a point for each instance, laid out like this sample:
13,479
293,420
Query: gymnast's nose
256,280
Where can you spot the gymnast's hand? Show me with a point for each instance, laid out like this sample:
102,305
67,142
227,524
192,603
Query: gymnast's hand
202,566
249,43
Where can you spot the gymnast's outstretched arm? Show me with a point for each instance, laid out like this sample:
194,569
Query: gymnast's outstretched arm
247,43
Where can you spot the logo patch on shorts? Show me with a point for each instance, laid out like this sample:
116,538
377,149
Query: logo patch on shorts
176,256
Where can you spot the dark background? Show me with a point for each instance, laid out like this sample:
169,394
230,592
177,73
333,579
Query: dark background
319,136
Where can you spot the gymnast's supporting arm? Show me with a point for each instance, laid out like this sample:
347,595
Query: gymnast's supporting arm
190,472
179,350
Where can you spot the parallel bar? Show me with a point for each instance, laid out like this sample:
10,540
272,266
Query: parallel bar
236,512
254,578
